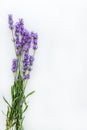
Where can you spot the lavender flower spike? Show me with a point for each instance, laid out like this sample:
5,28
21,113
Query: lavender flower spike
14,65
10,21
27,76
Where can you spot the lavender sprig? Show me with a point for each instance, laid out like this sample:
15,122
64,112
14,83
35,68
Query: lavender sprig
24,41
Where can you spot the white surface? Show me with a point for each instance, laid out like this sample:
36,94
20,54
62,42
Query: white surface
59,74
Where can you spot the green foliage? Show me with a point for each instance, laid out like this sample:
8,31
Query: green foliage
18,105
6,102
30,94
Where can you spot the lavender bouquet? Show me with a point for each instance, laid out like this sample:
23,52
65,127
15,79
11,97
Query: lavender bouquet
25,45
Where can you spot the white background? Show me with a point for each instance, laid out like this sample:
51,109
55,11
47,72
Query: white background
59,74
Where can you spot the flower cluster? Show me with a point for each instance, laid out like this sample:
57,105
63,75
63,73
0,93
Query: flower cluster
23,41
10,21
14,65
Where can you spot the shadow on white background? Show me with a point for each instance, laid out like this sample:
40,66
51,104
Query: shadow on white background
59,74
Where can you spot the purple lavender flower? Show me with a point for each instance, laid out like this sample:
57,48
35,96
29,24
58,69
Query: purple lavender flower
17,29
31,58
25,66
14,65
18,45
26,47
25,62
35,47
25,56
26,76
34,35
25,42
21,22
10,21
18,52
34,40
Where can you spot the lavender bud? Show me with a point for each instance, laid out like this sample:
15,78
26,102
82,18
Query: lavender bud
14,65
10,21
35,47
26,76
